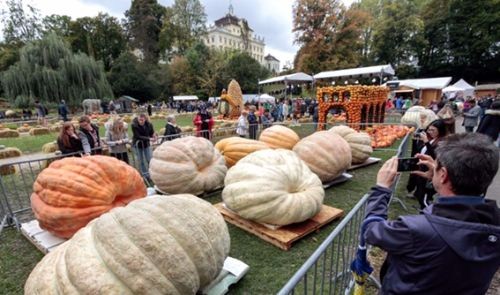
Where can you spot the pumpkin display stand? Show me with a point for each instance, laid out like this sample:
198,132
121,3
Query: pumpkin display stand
363,105
282,237
203,195
341,179
368,162
232,271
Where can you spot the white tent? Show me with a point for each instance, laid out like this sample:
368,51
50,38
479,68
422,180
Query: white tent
426,83
374,71
186,97
263,98
460,86
289,79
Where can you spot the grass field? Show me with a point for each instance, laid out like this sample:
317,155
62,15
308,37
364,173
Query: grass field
270,267
33,144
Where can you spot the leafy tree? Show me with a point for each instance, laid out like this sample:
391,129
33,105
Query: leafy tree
49,71
329,35
183,25
9,55
144,23
397,37
58,24
246,70
130,77
20,26
182,82
101,37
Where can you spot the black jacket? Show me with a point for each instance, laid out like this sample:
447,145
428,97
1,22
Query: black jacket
90,140
171,132
75,145
142,134
490,124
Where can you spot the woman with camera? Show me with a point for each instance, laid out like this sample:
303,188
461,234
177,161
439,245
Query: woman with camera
429,139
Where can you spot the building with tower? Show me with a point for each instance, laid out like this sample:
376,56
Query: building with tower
231,32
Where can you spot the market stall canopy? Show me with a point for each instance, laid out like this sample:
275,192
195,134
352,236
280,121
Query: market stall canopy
266,98
129,98
431,83
186,97
290,79
460,85
374,71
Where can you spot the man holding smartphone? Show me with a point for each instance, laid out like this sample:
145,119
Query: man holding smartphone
454,246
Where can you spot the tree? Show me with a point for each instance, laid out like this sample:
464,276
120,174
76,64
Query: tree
329,35
101,37
20,26
49,71
246,70
57,24
397,37
183,25
130,77
144,23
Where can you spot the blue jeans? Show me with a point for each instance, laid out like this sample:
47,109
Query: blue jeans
143,156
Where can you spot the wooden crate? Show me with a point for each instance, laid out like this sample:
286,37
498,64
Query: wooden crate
42,239
282,237
368,162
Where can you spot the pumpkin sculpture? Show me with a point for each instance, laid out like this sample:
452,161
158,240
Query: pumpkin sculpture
235,148
157,245
273,186
72,191
325,153
360,143
279,137
187,165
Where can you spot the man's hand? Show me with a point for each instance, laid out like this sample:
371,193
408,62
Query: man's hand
387,173
427,161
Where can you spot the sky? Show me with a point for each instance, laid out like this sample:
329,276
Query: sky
271,19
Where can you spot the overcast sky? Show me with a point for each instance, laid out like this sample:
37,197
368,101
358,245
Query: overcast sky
271,19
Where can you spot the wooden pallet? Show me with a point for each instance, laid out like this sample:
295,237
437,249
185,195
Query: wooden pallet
282,237
368,162
42,239
203,195
341,179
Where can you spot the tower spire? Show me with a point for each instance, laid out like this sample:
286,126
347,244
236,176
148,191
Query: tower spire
231,9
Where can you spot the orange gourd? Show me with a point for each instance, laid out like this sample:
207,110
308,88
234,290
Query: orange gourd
279,137
235,148
72,191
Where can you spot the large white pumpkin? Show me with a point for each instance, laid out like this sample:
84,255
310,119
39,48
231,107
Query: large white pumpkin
325,153
157,245
413,117
187,165
360,143
273,186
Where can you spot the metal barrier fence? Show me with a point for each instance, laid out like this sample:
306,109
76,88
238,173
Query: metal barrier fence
16,188
327,270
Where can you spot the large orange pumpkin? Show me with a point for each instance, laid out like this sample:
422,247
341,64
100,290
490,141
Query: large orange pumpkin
235,148
72,191
279,137
325,153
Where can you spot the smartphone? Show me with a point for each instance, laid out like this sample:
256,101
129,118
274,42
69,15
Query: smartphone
407,164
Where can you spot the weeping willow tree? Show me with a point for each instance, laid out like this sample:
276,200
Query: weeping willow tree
49,71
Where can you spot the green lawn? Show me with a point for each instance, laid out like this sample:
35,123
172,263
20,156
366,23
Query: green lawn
270,267
33,144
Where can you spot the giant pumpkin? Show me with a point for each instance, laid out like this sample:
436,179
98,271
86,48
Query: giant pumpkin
418,116
279,137
325,153
73,191
273,186
360,143
156,245
235,148
187,165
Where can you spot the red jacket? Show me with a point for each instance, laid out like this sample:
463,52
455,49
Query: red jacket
199,122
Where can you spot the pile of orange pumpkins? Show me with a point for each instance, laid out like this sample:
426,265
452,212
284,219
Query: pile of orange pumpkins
385,135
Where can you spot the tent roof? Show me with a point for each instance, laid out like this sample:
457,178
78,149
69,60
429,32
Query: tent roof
129,98
385,70
452,88
186,97
430,83
463,84
266,96
488,87
297,77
